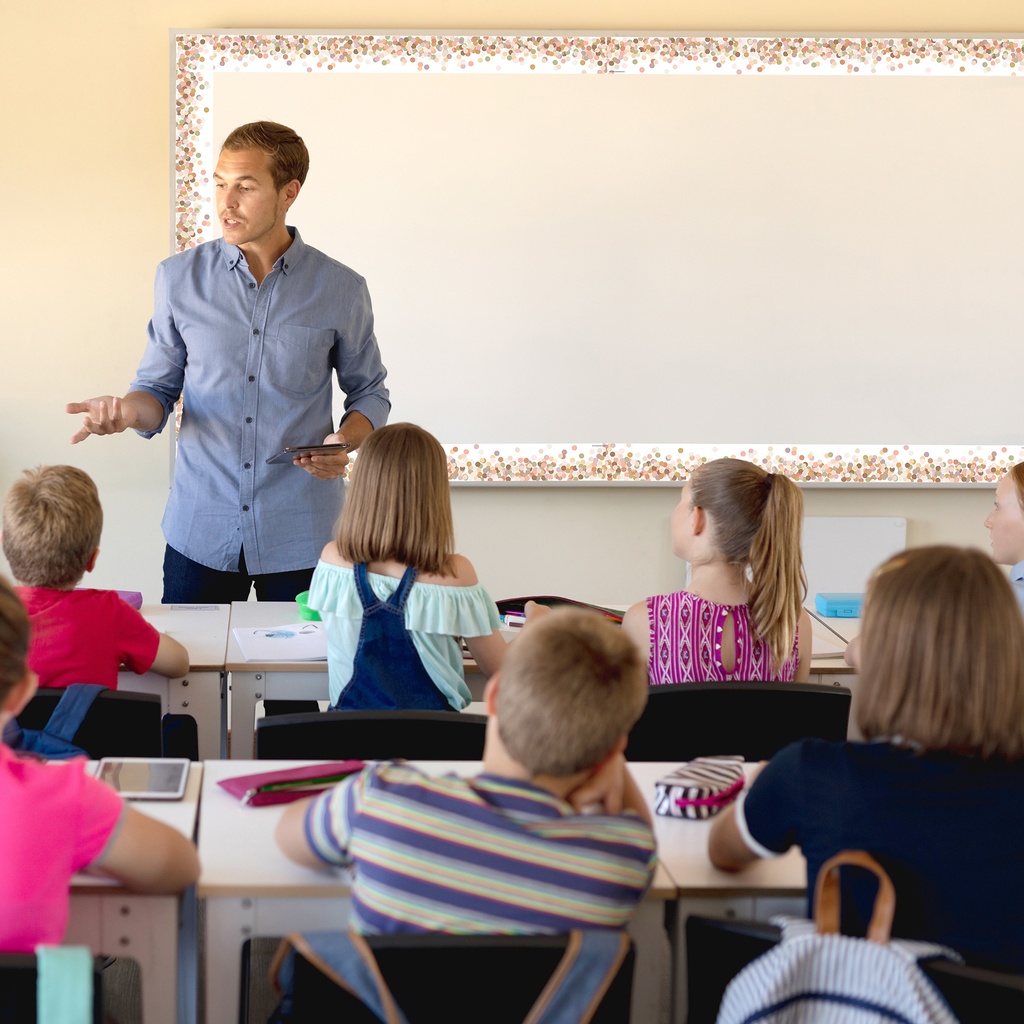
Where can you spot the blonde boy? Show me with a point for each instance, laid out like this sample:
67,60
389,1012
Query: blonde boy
510,850
51,532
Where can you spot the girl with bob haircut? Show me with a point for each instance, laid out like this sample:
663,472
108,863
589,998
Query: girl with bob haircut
935,794
390,589
741,616
1005,524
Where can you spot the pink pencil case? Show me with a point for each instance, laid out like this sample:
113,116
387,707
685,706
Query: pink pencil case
288,784
699,788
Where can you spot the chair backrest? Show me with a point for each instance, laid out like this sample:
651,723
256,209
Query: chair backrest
716,951
18,978
754,719
120,723
497,978
373,735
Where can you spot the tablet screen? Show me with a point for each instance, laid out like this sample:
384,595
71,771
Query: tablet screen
145,778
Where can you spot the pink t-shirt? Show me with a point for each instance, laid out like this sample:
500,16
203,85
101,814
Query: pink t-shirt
686,639
56,820
84,636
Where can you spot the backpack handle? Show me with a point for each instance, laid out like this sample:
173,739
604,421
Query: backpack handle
826,896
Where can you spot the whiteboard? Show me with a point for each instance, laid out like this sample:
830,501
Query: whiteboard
841,552
755,256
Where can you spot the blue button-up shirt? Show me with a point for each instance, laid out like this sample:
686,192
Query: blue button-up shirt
254,363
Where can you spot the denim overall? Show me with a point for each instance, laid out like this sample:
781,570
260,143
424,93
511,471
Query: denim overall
387,672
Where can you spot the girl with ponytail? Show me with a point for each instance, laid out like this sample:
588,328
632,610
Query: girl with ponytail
741,616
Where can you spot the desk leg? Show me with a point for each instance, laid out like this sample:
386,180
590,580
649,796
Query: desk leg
652,984
230,920
199,694
244,688
144,928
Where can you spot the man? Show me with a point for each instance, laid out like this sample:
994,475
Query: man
249,328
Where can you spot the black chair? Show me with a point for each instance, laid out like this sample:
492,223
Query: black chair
687,720
18,977
120,723
373,735
717,950
497,978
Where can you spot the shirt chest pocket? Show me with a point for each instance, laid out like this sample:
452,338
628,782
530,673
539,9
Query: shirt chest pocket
297,359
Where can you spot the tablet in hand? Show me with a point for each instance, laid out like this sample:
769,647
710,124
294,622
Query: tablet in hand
290,453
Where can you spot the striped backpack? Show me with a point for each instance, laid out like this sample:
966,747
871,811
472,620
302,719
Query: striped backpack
815,974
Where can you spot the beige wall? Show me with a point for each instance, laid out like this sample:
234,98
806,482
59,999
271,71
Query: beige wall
86,180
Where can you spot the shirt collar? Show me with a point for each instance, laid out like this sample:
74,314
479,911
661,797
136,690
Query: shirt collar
288,261
1017,572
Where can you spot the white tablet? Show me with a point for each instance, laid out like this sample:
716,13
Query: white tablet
145,778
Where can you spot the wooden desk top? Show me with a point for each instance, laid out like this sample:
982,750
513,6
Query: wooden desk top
230,835
683,848
201,628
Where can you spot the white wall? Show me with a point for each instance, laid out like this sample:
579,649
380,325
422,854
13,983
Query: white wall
86,187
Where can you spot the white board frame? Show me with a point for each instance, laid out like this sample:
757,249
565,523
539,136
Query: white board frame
200,56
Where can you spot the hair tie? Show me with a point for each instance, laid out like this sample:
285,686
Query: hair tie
768,477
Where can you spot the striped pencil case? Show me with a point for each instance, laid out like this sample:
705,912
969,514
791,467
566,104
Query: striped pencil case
699,788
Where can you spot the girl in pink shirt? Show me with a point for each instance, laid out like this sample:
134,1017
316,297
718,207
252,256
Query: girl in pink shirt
741,615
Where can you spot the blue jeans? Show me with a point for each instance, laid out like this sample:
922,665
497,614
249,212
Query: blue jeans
188,582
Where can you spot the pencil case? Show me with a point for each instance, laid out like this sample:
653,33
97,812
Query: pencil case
288,784
700,788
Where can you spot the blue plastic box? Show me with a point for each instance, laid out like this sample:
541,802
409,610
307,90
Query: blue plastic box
839,606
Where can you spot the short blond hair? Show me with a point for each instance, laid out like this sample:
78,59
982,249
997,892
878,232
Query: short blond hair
942,655
571,686
398,505
52,521
13,639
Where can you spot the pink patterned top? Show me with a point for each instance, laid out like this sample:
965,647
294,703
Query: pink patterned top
686,643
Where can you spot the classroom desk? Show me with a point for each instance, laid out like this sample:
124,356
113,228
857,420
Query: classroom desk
251,681
251,889
768,887
158,932
203,630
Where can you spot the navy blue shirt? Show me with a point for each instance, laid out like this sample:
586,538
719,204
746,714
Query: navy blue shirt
949,831
255,365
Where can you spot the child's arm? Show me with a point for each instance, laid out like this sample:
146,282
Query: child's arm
171,658
636,625
148,856
726,847
488,651
290,835
613,787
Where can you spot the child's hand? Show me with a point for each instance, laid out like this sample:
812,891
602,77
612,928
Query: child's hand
535,612
605,788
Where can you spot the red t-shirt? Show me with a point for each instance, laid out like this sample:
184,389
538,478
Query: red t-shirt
56,820
85,636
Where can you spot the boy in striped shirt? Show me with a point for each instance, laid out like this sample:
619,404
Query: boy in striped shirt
552,835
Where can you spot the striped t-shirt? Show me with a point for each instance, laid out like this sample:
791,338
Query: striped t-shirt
481,855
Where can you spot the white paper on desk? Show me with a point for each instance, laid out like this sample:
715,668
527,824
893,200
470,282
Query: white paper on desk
294,641
822,647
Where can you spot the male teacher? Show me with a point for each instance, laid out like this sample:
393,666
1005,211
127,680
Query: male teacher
249,329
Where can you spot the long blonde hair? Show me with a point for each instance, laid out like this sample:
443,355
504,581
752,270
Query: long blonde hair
756,519
942,654
398,506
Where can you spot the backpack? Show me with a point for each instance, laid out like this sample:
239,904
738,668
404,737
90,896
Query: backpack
816,974
54,741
